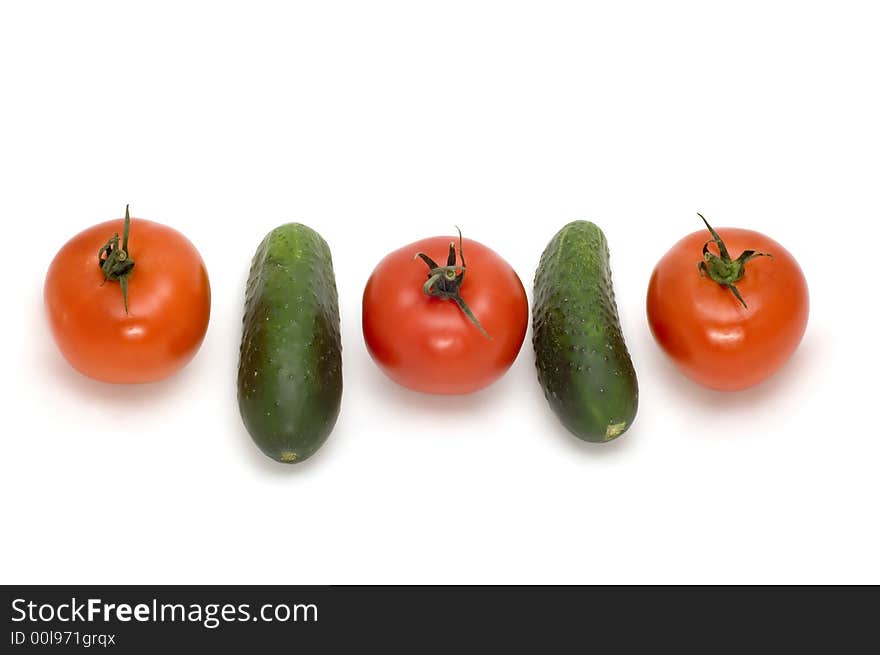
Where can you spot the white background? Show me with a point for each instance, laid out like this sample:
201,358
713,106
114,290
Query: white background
380,123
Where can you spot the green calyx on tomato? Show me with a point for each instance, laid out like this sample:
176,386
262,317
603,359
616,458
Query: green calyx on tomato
114,260
721,268
445,281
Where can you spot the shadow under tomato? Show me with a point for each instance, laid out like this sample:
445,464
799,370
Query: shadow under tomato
803,361
50,361
405,399
119,395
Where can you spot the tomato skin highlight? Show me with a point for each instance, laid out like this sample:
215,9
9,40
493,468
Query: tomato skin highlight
707,332
169,299
427,343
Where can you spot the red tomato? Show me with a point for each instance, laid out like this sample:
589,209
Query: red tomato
168,298
714,337
427,342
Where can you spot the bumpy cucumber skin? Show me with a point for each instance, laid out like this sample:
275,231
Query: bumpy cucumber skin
290,366
583,364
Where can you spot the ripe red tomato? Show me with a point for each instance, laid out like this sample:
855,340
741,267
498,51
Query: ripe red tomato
725,331
419,334
142,324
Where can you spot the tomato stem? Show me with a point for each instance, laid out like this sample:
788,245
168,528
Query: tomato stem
114,260
721,268
445,281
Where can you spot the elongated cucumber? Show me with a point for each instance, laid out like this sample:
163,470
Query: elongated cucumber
290,366
583,364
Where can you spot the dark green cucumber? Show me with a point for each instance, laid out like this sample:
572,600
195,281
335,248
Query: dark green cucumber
290,366
583,364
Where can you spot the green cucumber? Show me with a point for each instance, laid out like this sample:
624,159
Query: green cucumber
290,366
583,364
